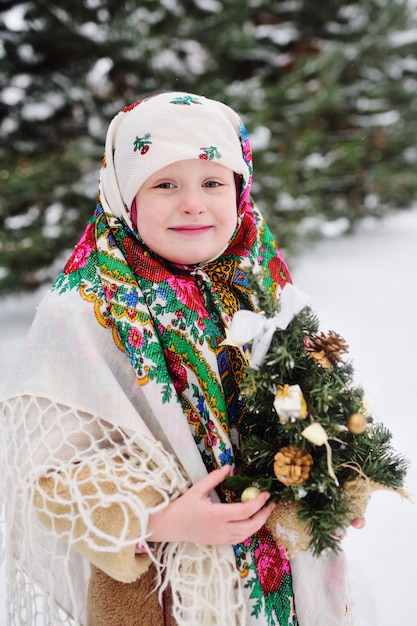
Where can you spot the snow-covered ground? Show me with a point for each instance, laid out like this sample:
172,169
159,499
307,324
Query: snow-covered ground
365,288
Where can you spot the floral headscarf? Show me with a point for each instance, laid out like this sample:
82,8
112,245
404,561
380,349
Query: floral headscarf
170,320
158,131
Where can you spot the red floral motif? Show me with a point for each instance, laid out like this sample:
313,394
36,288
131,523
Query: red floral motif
278,270
209,153
177,371
188,293
109,290
270,562
79,257
211,434
131,313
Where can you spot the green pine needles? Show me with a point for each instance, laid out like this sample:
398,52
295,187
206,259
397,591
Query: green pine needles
328,470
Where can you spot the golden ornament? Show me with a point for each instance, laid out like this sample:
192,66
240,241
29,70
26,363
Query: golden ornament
249,493
292,467
357,423
327,349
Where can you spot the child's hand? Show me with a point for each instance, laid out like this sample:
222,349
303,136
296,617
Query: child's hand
359,522
195,518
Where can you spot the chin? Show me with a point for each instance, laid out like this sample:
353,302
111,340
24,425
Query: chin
197,258
192,259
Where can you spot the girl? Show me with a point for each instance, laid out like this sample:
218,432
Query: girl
125,415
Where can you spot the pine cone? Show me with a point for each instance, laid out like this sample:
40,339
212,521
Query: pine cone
292,467
327,349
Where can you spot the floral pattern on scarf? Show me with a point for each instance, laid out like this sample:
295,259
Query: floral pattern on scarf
170,321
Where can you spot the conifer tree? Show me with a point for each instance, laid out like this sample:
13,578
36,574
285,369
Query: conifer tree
327,91
340,108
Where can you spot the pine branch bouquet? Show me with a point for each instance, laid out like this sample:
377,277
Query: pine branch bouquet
307,436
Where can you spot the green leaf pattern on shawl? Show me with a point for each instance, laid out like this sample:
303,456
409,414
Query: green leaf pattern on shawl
170,324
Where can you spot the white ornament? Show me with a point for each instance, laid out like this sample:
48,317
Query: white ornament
317,435
289,403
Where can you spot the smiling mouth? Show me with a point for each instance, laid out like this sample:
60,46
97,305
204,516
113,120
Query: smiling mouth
192,229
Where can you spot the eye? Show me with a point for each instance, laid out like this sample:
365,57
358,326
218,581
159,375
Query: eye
212,184
164,185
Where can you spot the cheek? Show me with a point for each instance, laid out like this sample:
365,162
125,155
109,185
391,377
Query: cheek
140,221
230,219
144,225
232,225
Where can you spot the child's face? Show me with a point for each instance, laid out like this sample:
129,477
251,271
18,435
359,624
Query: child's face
186,212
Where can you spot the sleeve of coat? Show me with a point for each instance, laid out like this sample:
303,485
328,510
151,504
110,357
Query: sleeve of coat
84,507
90,483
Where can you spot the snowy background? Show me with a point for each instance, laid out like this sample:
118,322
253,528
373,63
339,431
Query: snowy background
365,288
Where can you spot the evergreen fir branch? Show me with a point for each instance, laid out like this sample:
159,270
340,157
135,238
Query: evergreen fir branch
325,517
332,398
375,455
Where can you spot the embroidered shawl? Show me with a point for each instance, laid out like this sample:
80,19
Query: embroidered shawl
125,381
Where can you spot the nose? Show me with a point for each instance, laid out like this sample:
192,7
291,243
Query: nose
191,202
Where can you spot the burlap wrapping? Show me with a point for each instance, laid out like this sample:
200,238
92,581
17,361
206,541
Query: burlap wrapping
358,492
293,535
287,529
